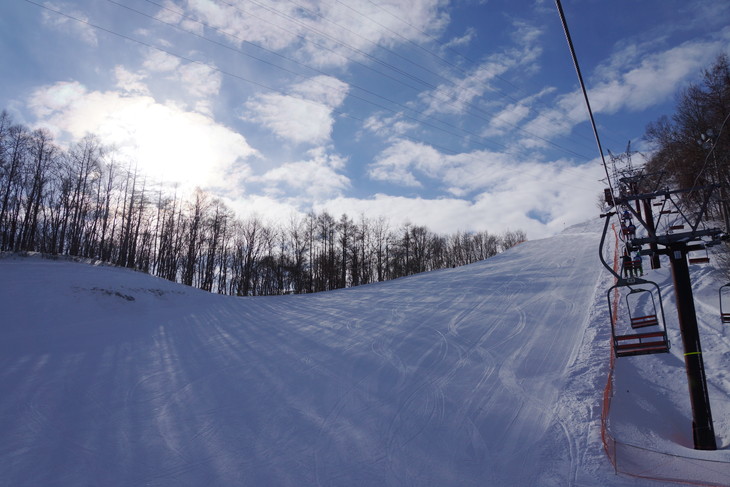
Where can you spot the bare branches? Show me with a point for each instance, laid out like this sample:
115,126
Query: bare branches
83,202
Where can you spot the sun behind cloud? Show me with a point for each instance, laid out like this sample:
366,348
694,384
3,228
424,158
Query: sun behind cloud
164,141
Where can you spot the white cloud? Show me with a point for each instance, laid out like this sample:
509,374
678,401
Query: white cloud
409,163
539,199
202,83
170,13
456,96
292,118
263,23
44,102
168,143
160,62
347,30
322,89
266,208
199,80
305,116
508,118
527,37
487,189
322,33
130,82
559,203
195,84
464,40
65,24
399,163
313,179
388,126
635,85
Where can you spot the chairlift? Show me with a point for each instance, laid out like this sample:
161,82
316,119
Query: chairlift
628,266
628,230
643,314
701,259
725,303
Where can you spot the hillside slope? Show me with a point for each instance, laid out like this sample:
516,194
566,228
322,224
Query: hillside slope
489,374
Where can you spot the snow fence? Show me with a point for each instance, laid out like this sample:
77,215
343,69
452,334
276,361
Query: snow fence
646,463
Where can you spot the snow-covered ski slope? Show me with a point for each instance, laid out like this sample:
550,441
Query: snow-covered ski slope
486,375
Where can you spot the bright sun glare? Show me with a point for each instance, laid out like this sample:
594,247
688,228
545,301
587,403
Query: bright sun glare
173,146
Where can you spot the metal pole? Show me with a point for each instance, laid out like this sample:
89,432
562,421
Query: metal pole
703,431
650,227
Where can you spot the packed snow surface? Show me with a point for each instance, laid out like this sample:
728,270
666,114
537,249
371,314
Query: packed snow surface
486,375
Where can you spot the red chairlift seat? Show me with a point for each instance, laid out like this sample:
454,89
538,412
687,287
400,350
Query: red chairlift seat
642,321
641,344
647,318
702,259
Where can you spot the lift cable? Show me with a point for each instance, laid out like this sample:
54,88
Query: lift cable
583,89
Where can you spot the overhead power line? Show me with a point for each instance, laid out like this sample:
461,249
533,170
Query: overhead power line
419,117
256,83
476,111
312,68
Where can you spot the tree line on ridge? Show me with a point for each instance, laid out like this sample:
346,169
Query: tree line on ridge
81,202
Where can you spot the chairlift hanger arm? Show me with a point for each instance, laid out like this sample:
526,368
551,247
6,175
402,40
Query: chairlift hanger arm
607,216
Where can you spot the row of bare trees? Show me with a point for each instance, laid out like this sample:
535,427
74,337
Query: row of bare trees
80,201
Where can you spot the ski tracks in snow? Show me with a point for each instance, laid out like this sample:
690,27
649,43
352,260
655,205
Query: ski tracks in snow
448,378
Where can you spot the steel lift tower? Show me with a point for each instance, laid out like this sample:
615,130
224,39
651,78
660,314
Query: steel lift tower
676,233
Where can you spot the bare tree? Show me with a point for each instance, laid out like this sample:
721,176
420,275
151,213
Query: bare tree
511,238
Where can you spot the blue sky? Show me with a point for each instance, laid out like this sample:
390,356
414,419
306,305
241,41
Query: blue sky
460,115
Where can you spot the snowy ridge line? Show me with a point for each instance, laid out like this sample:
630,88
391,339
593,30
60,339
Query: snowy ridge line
23,254
644,462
